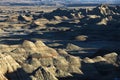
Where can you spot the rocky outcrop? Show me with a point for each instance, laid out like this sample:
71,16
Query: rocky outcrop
72,47
81,38
43,62
102,10
61,63
33,55
40,22
111,58
24,18
29,46
2,77
61,51
43,74
11,69
8,63
39,49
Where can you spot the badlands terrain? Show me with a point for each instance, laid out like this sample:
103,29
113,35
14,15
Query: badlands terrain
38,43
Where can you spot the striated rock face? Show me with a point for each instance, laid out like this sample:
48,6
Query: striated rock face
39,48
43,74
29,46
11,69
44,49
59,64
111,58
2,77
8,63
44,63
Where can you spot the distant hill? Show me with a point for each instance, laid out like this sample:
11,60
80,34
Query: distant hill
20,2
55,2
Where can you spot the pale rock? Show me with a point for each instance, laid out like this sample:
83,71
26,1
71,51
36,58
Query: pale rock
4,48
29,46
40,22
11,68
72,47
46,61
52,69
88,60
73,60
44,74
35,62
74,64
61,63
2,77
111,58
61,51
57,18
81,38
42,48
28,68
99,59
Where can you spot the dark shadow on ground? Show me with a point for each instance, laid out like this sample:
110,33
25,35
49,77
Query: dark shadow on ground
19,74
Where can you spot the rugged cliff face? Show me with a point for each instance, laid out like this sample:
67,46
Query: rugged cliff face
10,69
40,62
